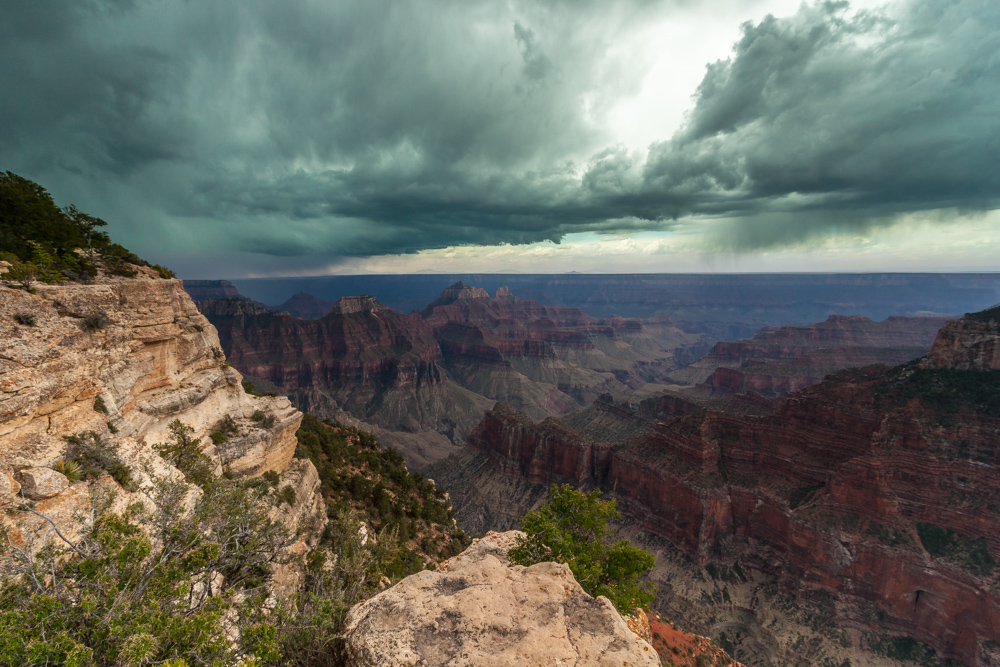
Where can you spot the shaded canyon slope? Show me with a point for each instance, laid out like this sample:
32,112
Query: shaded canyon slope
422,381
856,517
777,360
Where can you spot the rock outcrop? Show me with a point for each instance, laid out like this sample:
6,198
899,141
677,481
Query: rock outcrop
873,490
777,360
971,343
122,358
478,610
125,357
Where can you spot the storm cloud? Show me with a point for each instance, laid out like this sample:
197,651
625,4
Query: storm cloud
299,131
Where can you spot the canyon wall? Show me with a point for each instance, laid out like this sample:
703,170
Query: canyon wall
778,360
421,382
872,492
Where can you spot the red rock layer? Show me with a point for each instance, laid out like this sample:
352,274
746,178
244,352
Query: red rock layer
826,492
365,347
778,360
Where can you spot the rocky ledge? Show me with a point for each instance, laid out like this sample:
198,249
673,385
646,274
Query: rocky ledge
476,609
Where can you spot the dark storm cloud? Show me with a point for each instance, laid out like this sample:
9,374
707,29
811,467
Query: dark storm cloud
352,129
827,120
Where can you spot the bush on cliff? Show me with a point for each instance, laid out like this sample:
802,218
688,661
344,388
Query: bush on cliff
50,244
357,474
572,528
142,586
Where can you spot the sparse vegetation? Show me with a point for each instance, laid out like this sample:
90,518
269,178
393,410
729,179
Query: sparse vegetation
264,419
287,495
143,586
572,528
25,319
358,476
184,452
96,321
92,455
802,495
99,406
223,430
70,469
972,554
988,315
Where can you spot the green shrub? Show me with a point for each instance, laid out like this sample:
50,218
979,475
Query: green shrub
21,274
126,591
99,406
70,469
95,321
164,272
25,319
271,477
572,528
802,495
224,428
94,456
287,495
972,554
184,453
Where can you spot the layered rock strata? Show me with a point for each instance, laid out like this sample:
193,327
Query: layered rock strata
874,490
423,381
777,360
478,610
125,357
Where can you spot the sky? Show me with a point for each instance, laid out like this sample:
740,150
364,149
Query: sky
245,138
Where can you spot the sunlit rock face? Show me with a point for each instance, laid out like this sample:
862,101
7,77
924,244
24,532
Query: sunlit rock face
123,358
476,609
127,355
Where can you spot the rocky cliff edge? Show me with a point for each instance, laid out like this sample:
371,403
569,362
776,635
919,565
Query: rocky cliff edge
476,609
123,358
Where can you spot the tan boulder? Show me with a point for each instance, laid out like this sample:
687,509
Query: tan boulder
8,486
479,611
38,483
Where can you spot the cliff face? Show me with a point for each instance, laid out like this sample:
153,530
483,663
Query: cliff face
123,358
873,491
149,357
778,360
362,364
972,343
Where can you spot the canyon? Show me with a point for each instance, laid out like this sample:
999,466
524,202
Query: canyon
422,381
854,516
777,360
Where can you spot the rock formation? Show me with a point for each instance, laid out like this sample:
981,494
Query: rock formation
477,610
777,360
872,492
422,381
123,358
128,354
305,306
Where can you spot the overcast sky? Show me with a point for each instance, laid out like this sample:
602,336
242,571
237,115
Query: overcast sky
232,138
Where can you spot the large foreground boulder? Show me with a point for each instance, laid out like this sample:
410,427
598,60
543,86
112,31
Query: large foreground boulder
478,610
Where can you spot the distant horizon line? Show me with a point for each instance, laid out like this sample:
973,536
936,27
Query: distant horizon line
633,273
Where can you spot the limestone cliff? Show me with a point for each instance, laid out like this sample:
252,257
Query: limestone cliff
123,358
128,355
